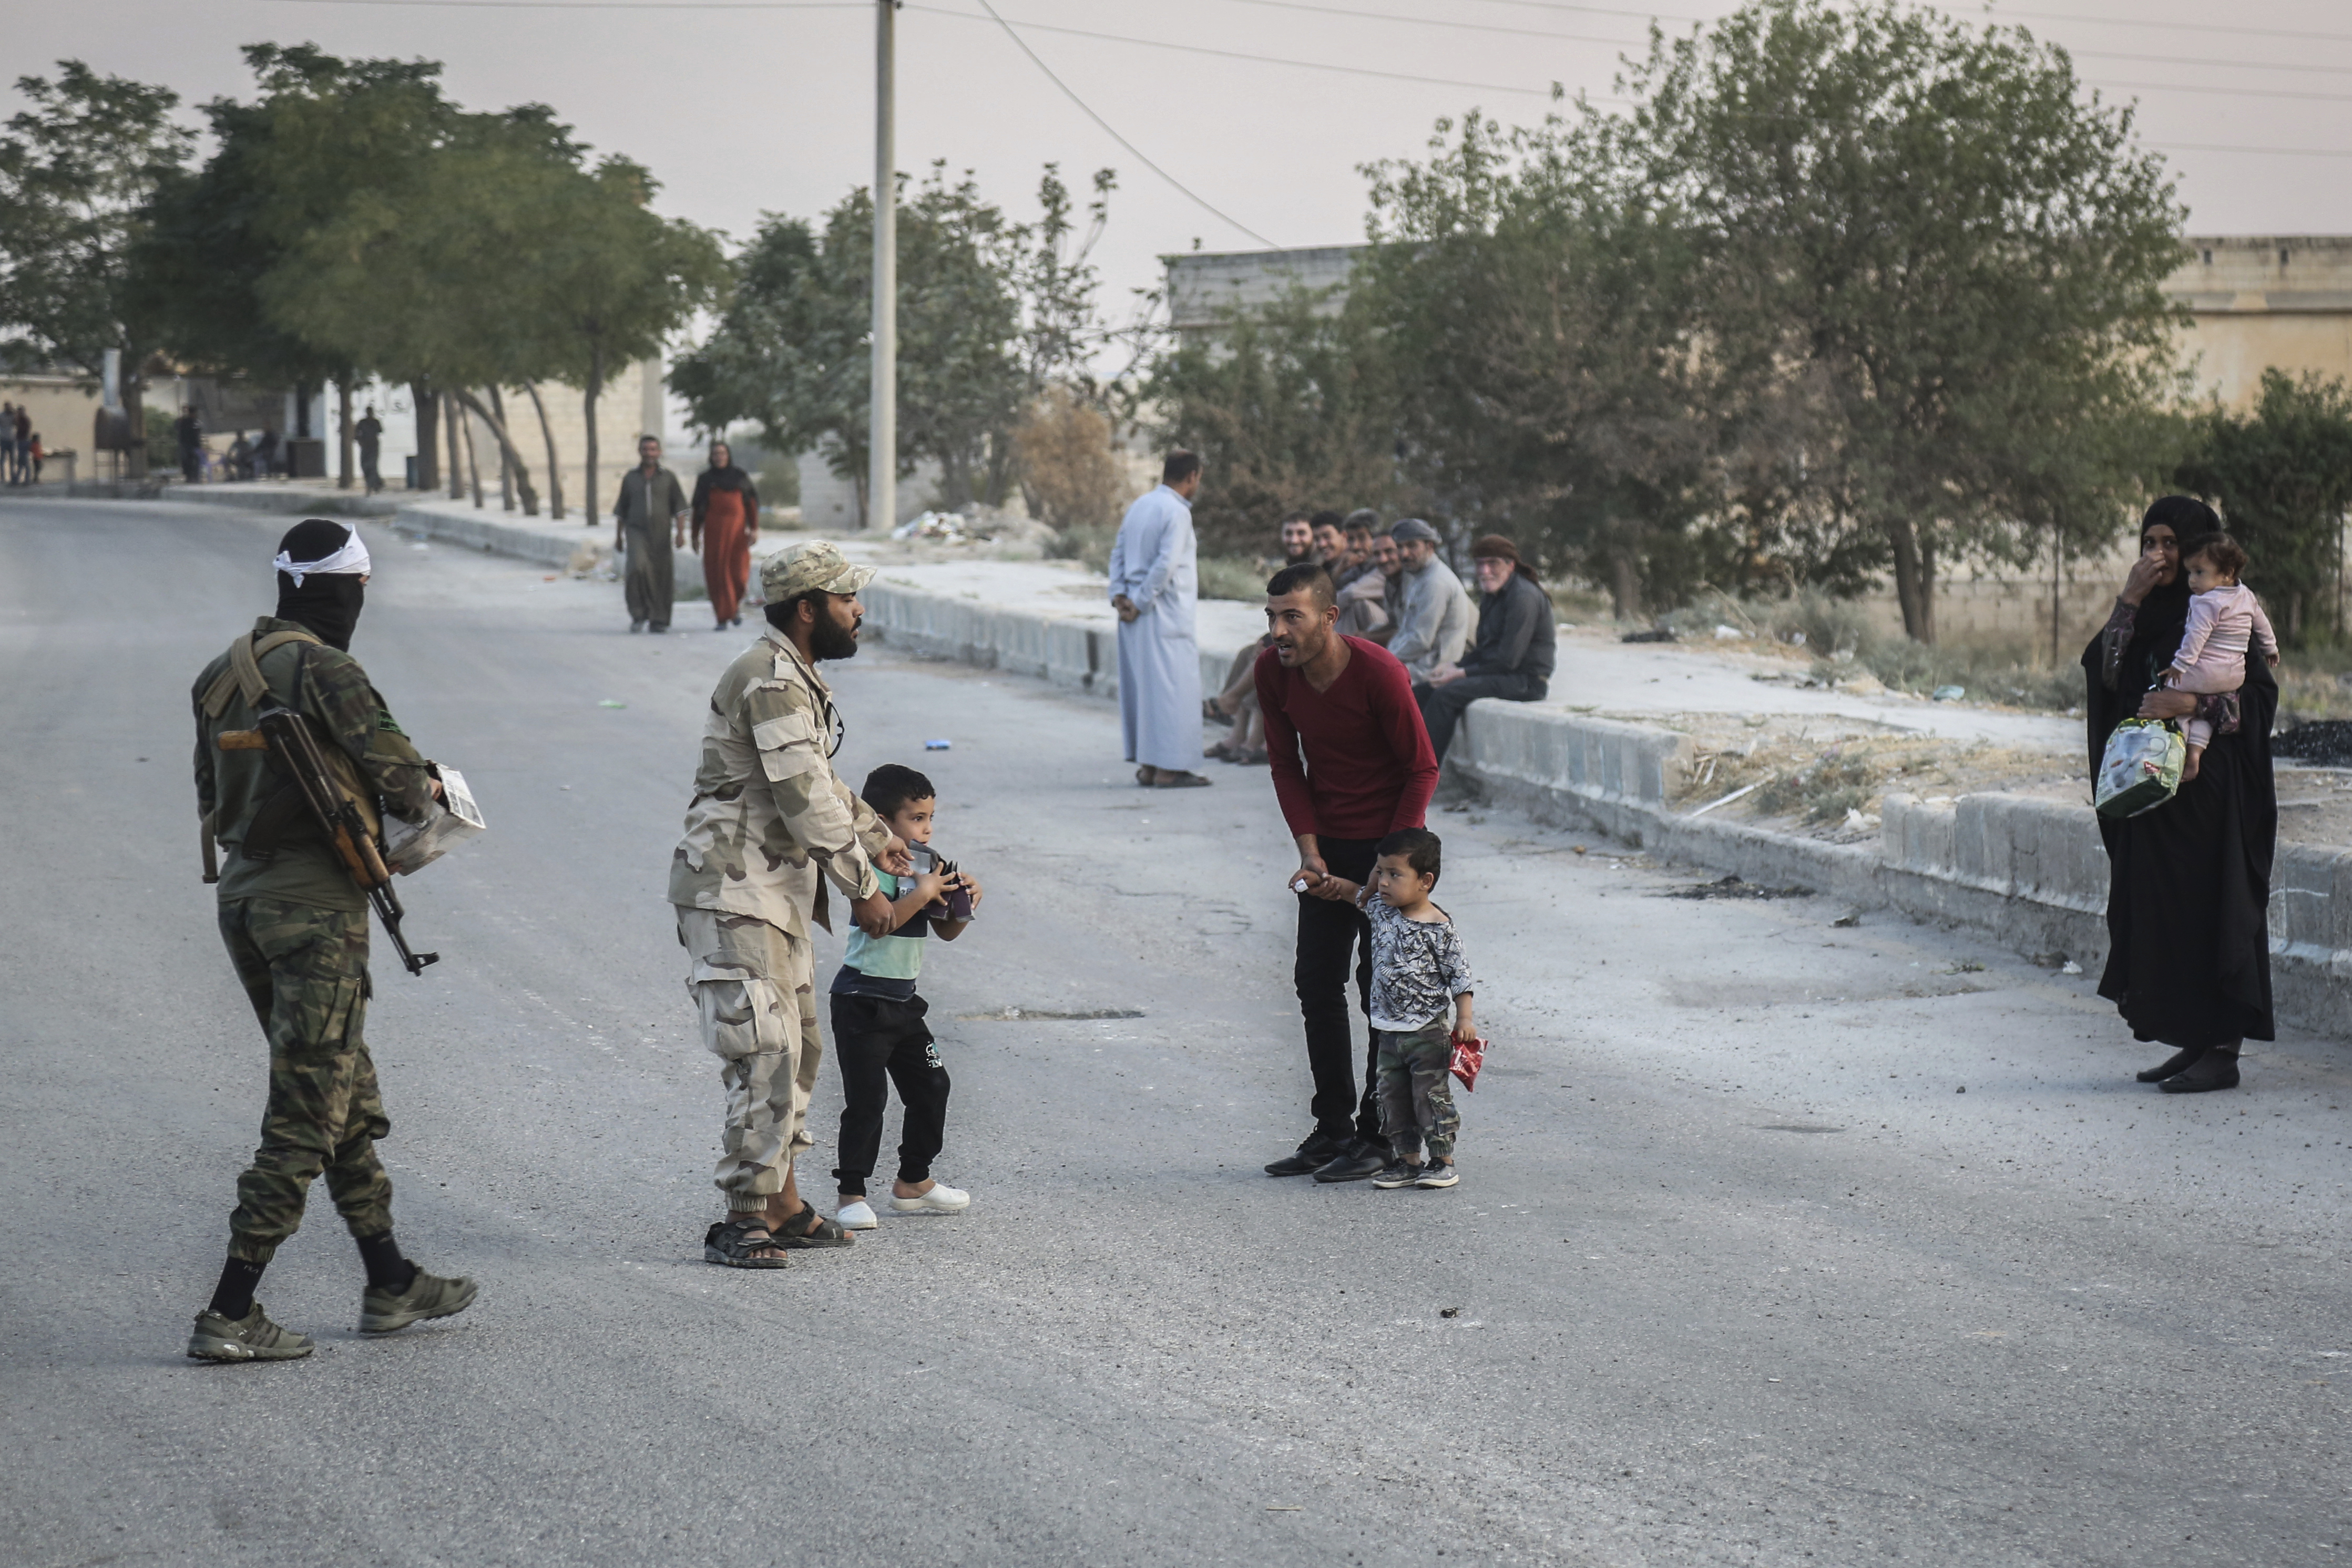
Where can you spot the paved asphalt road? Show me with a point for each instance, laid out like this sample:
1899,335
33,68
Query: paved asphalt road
1736,1272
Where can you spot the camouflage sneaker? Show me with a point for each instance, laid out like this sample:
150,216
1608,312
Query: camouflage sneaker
252,1337
427,1296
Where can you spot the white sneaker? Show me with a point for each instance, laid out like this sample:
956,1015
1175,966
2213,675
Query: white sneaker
941,1200
858,1216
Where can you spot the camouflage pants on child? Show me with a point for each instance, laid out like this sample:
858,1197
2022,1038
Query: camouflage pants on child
306,971
1417,1090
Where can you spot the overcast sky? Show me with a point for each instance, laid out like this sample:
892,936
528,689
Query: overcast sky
744,110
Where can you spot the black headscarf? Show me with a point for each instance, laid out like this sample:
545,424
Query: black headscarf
327,602
728,477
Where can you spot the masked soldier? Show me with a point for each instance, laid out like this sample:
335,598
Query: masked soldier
769,827
297,929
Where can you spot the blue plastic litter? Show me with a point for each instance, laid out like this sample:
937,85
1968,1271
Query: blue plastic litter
935,746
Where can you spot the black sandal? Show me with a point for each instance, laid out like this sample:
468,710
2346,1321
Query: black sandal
810,1228
724,1243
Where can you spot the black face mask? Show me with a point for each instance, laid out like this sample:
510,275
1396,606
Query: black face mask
328,605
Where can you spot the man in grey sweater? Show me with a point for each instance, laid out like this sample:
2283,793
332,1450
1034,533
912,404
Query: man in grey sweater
1512,658
1433,626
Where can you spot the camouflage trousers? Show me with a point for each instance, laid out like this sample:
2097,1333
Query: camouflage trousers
754,987
1417,1081
306,971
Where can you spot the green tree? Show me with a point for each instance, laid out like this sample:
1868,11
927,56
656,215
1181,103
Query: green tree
1289,407
1957,257
2282,476
76,169
1538,304
283,165
991,313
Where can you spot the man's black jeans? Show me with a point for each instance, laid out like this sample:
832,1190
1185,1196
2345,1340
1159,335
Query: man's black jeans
1330,933
1441,706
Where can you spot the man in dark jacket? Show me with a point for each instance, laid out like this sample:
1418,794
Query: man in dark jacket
1510,658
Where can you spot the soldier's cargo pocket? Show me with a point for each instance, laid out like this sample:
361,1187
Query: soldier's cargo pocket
740,1011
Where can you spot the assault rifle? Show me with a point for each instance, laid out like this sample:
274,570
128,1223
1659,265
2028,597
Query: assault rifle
287,738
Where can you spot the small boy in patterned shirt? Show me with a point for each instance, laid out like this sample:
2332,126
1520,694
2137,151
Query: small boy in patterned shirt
1419,975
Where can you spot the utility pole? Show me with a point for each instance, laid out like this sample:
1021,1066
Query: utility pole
882,458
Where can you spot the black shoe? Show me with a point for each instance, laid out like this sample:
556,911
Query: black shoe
1396,1173
1315,1151
2214,1069
1357,1161
2179,1061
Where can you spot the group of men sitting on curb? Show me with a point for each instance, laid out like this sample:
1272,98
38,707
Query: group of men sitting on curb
1395,588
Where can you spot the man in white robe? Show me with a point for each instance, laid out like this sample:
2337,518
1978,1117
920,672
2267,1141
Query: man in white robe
1155,588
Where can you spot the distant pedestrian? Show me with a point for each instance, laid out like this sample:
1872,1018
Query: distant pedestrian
24,429
37,458
726,525
1351,765
1512,658
1419,975
368,433
1155,590
8,443
189,431
1434,626
649,527
1368,601
879,1032
264,454
240,457
2189,952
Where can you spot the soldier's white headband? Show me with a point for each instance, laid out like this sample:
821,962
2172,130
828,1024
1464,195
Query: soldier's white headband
351,560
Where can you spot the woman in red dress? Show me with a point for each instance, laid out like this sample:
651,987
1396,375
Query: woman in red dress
726,521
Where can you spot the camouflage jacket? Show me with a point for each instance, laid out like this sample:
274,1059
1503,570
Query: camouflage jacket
768,814
328,687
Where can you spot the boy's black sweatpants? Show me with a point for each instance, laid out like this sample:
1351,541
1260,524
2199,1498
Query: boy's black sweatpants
877,1039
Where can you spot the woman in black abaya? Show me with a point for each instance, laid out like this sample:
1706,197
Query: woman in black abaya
2189,957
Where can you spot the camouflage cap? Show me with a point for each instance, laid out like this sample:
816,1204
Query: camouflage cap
815,566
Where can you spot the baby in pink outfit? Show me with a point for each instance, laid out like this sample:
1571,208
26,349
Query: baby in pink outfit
2224,620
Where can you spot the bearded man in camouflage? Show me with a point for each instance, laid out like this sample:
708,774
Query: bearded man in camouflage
297,929
769,827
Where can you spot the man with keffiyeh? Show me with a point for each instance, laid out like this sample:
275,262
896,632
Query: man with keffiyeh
296,930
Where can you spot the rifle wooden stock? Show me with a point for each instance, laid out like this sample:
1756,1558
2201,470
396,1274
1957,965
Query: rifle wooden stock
243,740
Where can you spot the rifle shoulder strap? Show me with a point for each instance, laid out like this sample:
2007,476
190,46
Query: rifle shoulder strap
243,675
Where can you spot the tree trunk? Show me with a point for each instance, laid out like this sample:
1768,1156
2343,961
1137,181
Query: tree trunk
456,447
1625,586
1909,583
506,466
1927,589
343,430
509,455
473,469
588,404
554,472
428,434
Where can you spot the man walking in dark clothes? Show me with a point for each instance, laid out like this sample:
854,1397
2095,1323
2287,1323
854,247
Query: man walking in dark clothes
1511,656
1351,765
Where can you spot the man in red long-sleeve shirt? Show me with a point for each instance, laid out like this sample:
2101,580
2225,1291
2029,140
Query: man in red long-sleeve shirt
1351,765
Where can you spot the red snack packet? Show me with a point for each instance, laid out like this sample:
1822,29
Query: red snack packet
1467,1059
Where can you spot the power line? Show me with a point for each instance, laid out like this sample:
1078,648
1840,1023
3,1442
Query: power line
1191,195
1501,87
2150,22
1293,64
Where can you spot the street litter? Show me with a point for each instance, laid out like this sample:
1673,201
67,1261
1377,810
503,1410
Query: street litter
1729,634
2070,967
935,746
608,701
948,527
1948,693
1848,921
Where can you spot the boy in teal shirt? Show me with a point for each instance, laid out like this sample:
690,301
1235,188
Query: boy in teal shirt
879,1031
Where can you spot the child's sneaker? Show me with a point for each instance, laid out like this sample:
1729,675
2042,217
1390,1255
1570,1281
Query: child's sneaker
940,1200
858,1216
1439,1176
1396,1173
